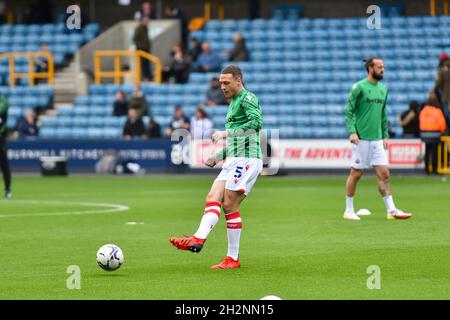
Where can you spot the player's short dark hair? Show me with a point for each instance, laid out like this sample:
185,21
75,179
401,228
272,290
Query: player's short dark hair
234,70
369,62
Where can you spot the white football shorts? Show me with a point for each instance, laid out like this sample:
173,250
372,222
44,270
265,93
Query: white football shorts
367,154
240,174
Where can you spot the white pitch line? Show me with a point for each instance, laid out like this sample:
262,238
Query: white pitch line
110,208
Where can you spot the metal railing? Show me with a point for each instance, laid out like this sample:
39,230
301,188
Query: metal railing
117,74
31,74
433,7
207,8
443,155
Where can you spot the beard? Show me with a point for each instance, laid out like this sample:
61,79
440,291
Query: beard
377,76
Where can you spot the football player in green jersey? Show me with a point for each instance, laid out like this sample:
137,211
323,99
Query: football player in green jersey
367,124
240,170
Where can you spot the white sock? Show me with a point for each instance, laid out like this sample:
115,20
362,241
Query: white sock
234,228
389,202
209,220
349,204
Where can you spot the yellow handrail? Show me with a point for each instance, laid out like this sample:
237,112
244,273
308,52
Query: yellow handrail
117,74
443,152
207,8
433,7
31,74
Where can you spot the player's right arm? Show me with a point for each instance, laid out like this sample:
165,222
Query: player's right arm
350,116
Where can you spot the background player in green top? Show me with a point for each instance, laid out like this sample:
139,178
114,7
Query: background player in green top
240,170
367,124
4,165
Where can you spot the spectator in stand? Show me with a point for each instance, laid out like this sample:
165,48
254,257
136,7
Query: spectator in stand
179,121
138,101
145,11
409,120
195,49
201,125
432,127
134,127
142,42
26,125
239,51
443,82
214,95
120,104
41,62
207,61
178,66
443,57
175,13
153,129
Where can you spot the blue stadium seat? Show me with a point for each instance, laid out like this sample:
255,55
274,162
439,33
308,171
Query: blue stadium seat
303,133
287,132
63,133
78,110
318,120
47,132
82,100
80,121
79,133
338,132
271,120
321,132
283,110
213,25
112,132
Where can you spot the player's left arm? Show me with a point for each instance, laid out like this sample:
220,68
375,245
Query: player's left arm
385,123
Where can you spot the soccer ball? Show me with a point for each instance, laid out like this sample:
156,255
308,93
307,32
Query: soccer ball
363,212
270,298
110,257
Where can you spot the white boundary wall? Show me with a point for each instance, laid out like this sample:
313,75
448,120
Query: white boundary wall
322,154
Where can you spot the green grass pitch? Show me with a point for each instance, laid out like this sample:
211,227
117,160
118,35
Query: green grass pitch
294,244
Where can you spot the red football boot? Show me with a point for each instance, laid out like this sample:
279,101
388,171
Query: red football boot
188,243
227,263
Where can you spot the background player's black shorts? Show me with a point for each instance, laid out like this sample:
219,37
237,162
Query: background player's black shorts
2,145
3,153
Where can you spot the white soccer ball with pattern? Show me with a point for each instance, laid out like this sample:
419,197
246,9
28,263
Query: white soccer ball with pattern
110,257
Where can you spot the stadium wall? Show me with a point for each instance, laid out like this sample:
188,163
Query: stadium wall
164,155
82,155
108,13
